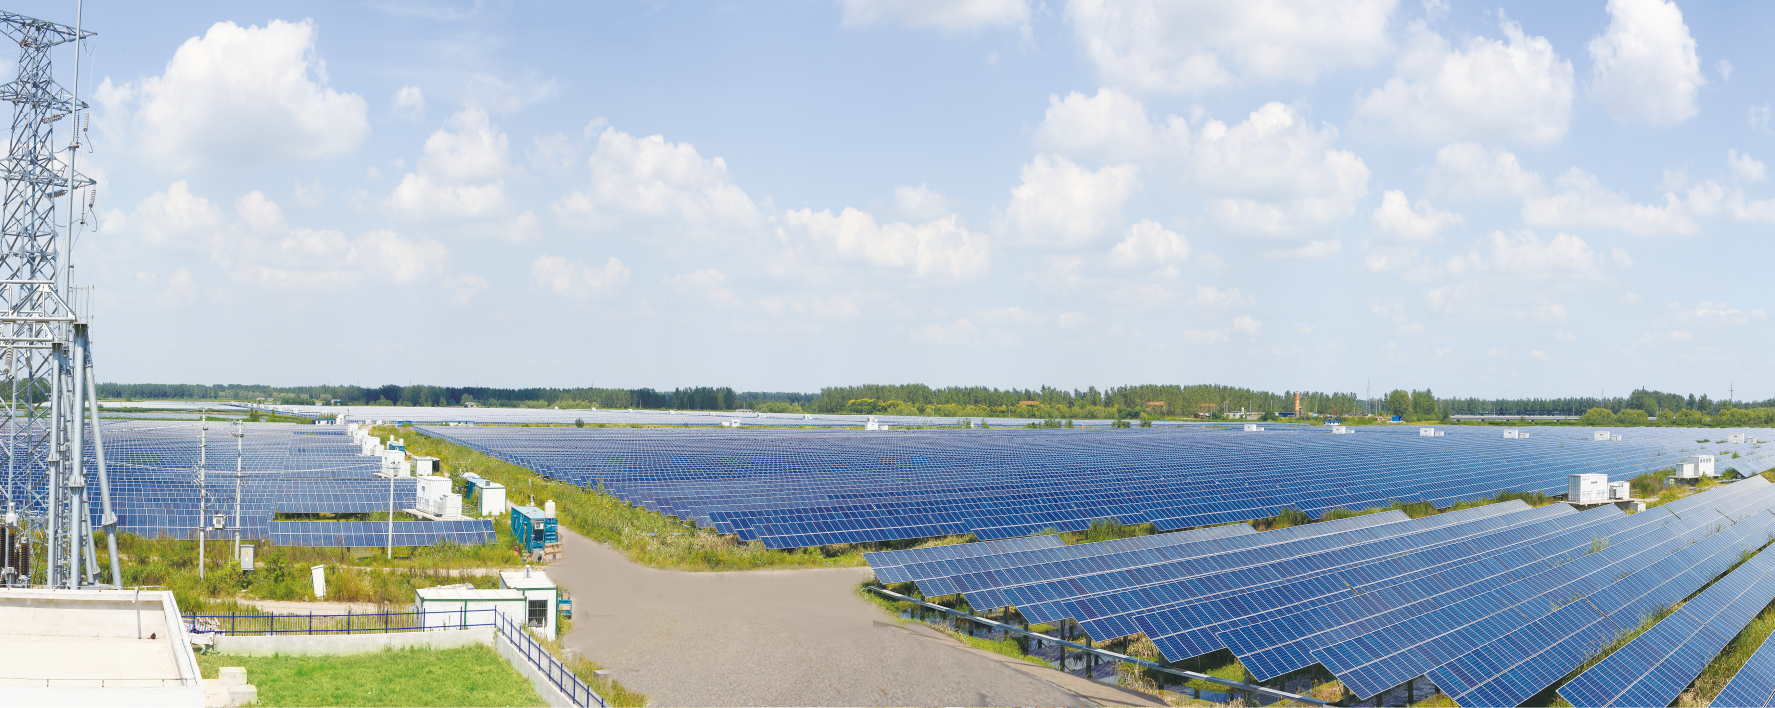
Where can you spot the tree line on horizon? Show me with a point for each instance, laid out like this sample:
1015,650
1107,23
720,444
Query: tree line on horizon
1150,400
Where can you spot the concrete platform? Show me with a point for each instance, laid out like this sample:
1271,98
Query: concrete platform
95,648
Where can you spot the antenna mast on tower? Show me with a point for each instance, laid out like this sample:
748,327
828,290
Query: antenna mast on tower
46,384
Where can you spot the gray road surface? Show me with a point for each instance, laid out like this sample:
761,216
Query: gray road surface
782,638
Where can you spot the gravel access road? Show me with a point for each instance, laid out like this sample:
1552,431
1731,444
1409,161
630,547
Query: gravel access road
784,638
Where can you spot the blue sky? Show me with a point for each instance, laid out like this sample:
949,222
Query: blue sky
1502,199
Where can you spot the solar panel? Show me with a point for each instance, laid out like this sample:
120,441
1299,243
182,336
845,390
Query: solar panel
1754,685
1656,666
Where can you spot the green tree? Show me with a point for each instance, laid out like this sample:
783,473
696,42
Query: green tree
1423,403
1399,402
1630,416
1597,416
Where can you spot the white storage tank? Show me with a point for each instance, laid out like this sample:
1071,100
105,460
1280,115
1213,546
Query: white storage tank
1620,490
1703,465
548,509
1589,488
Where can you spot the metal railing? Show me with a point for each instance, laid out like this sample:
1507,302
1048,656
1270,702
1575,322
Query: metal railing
1123,658
538,655
348,623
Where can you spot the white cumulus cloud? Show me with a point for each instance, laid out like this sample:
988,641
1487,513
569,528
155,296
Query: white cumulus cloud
1580,200
1162,45
1149,245
1244,324
1645,63
1396,217
1518,90
1525,255
653,179
409,102
1274,173
1111,126
1060,204
241,96
575,279
939,14
1745,167
940,249
461,176
1471,170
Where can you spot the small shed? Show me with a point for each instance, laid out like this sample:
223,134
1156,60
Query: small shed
492,497
541,597
426,465
456,608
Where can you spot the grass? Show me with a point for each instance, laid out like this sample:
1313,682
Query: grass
1005,647
282,573
644,536
1107,530
466,676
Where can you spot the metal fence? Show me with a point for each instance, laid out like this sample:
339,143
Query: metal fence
538,655
348,623
1047,641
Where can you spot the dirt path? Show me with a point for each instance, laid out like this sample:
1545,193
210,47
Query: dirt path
784,638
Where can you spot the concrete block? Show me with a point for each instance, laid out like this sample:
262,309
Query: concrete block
244,695
232,676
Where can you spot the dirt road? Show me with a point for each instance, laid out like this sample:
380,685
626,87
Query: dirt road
784,638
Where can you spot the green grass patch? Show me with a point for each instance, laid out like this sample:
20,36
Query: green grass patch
282,573
1107,530
467,676
1006,647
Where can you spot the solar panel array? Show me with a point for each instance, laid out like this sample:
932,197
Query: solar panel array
422,415
1755,683
1656,666
1494,604
797,488
157,491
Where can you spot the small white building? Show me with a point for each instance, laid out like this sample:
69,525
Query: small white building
427,466
1703,465
1600,435
1512,434
1339,430
1620,490
1686,470
1589,488
1252,428
540,598
492,498
456,608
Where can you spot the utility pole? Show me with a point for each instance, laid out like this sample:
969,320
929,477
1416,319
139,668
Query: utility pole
203,490
240,434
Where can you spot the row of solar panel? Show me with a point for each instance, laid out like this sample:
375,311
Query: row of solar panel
1380,608
794,489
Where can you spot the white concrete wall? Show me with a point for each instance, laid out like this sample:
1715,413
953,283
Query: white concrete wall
169,697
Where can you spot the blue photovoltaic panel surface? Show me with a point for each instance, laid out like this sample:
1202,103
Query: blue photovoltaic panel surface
1517,665
794,488
156,484
1657,665
887,564
1755,683
1278,645
1413,644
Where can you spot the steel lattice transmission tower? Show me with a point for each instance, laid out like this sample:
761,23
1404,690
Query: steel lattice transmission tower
45,358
